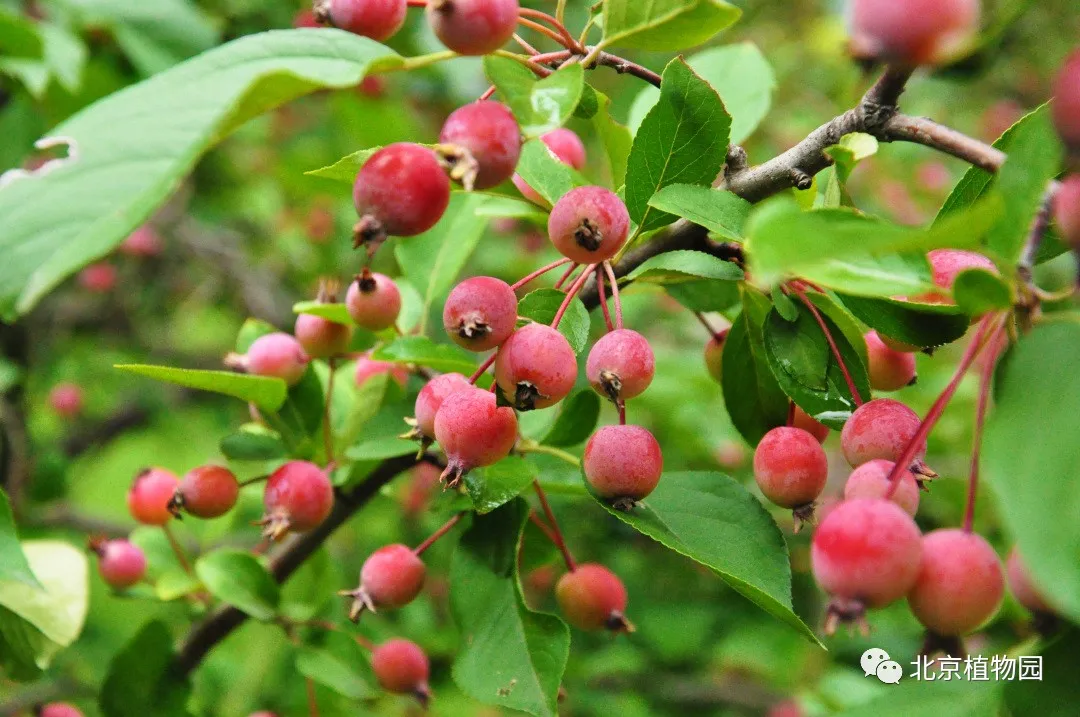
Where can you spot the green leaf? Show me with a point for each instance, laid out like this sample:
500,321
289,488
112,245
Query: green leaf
379,438
705,295
510,656
922,325
785,306
58,608
843,319
299,418
722,213
683,140
237,578
143,679
546,174
541,306
13,565
422,351
19,36
335,312
1057,692
512,208
920,698
1029,451
887,275
24,651
978,291
577,419
264,392
494,486
713,520
175,583
742,77
539,106
665,24
755,402
253,443
616,138
345,169
134,146
338,665
676,267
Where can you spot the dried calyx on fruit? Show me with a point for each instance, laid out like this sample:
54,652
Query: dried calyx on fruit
591,597
401,190
622,464
536,367
428,402
480,313
402,667
480,144
620,365
391,577
473,431
298,497
205,492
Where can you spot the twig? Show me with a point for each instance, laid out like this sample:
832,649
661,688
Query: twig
560,543
446,527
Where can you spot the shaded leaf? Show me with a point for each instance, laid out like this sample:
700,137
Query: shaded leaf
577,419
720,212
13,565
142,678
264,392
754,400
922,325
539,106
494,486
541,306
422,351
547,175
684,265
237,578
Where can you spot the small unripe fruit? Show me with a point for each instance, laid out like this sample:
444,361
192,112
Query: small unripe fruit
1066,105
623,464
277,355
149,496
589,224
66,400
946,265
401,667
99,278
809,424
889,370
620,365
391,577
431,397
366,367
591,597
206,492
377,19
121,564
912,32
473,431
871,480
536,367
714,357
1023,589
298,497
490,134
59,709
473,27
565,146
480,313
791,469
142,242
881,428
401,190
322,338
373,301
960,583
1067,209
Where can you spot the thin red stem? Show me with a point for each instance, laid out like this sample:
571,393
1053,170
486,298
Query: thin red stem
614,294
622,412
446,527
566,275
985,378
538,273
832,345
544,527
571,293
253,481
791,414
542,30
313,704
568,41
603,298
364,642
181,557
525,45
560,543
487,94
483,367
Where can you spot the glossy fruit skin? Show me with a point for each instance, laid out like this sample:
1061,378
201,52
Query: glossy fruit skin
591,597
624,356
790,467
565,146
491,134
871,480
208,491
867,550
589,224
322,338
473,431
149,496
366,367
946,265
536,367
1066,105
473,27
480,313
300,492
623,463
1067,208
377,19
889,370
912,32
373,301
881,428
121,564
431,397
404,188
811,425
1023,589
400,667
66,400
960,584
714,357
277,355
392,576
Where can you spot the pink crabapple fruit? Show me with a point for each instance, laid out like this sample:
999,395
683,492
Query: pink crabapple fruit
912,32
401,190
871,480
58,709
373,301
431,398
149,496
391,577
565,146
143,242
419,489
865,553
535,367
623,464
591,597
298,497
811,425
620,365
277,355
367,367
1023,589
790,468
890,370
66,400
714,356
1067,209
206,492
946,265
473,27
589,224
473,431
321,337
786,708
99,278
960,583
1066,105
480,313
881,428
401,667
121,563
488,132
377,19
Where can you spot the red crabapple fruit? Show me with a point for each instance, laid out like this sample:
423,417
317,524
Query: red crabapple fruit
305,18
473,431
589,224
591,597
149,496
277,355
811,425
142,242
121,563
881,428
480,313
320,337
298,497
912,32
865,553
890,370
871,480
99,278
620,365
473,27
1023,589
790,468
401,667
565,146
373,301
491,140
623,464
366,367
946,265
1066,105
960,583
401,190
59,709
391,577
714,356
430,400
535,367
206,492
377,19
1067,210
66,400
418,491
